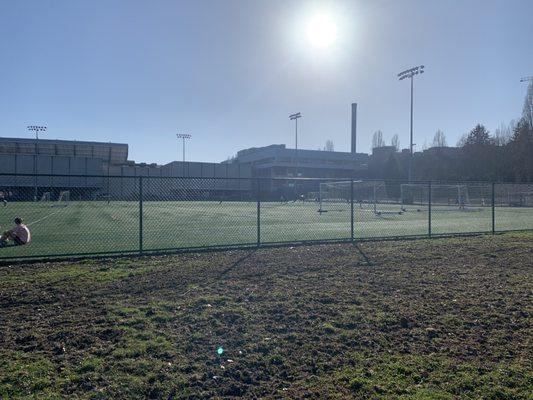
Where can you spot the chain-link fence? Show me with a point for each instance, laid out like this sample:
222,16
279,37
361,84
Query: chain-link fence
91,215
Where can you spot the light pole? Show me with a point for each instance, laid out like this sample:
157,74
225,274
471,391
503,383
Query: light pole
183,136
36,129
529,79
295,118
410,73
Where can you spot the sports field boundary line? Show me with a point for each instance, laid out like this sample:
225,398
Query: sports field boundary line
46,216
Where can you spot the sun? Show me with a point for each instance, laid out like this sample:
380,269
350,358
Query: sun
321,31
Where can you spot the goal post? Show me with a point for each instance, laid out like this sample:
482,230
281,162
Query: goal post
45,197
63,199
334,195
375,196
453,196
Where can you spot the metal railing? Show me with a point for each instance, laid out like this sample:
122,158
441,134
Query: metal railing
78,215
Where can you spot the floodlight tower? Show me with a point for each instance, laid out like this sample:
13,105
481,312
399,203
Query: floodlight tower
183,136
410,73
529,79
295,118
36,129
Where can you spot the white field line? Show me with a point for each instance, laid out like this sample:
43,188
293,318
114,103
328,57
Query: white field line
46,216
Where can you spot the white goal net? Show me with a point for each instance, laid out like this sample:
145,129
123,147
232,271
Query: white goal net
45,197
444,196
334,196
63,199
373,196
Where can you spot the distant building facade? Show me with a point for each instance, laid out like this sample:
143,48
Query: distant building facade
94,170
276,161
102,170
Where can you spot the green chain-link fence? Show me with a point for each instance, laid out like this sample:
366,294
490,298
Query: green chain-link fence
95,215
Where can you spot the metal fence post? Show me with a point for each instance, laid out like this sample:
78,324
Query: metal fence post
493,210
429,210
352,236
258,213
140,214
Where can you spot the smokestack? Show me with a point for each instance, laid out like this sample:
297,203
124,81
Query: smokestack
354,127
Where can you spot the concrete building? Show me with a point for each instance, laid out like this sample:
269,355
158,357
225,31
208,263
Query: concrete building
276,161
94,170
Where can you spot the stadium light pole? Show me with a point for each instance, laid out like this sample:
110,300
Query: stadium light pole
529,80
183,136
295,118
36,129
410,73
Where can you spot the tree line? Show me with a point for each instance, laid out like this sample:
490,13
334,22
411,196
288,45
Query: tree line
505,155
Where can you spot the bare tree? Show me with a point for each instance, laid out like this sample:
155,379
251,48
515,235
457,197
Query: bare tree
439,140
377,139
503,133
395,141
527,112
462,140
329,145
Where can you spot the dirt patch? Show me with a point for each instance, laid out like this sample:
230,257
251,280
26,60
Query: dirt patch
442,318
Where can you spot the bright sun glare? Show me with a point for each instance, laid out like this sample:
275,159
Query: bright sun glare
322,31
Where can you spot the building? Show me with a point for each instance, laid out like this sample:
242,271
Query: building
278,162
97,170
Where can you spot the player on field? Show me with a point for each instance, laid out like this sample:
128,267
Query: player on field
19,235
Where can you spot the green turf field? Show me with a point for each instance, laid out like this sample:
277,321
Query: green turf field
92,227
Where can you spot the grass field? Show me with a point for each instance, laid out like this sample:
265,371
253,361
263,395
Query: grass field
91,227
426,319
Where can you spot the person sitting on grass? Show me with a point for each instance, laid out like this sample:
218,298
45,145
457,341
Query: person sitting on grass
19,235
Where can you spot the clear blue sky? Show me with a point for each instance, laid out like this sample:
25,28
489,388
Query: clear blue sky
230,72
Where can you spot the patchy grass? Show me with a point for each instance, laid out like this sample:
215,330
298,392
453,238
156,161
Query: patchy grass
429,319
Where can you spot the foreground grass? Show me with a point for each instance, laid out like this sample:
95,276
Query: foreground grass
440,319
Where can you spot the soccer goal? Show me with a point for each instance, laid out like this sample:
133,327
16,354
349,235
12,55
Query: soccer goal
379,197
373,196
514,195
45,197
415,196
63,199
334,196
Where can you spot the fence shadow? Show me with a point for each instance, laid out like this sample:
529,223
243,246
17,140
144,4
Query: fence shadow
236,263
368,261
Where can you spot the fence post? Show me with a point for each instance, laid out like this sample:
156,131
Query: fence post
258,213
352,237
140,214
429,210
493,210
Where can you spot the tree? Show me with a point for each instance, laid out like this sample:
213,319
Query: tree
503,134
521,148
439,140
478,155
395,141
377,139
527,111
479,136
329,145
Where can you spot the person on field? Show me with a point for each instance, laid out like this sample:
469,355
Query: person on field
19,235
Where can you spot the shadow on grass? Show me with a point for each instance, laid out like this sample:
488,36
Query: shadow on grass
368,261
237,263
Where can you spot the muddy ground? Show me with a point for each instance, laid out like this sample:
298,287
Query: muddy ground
443,318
